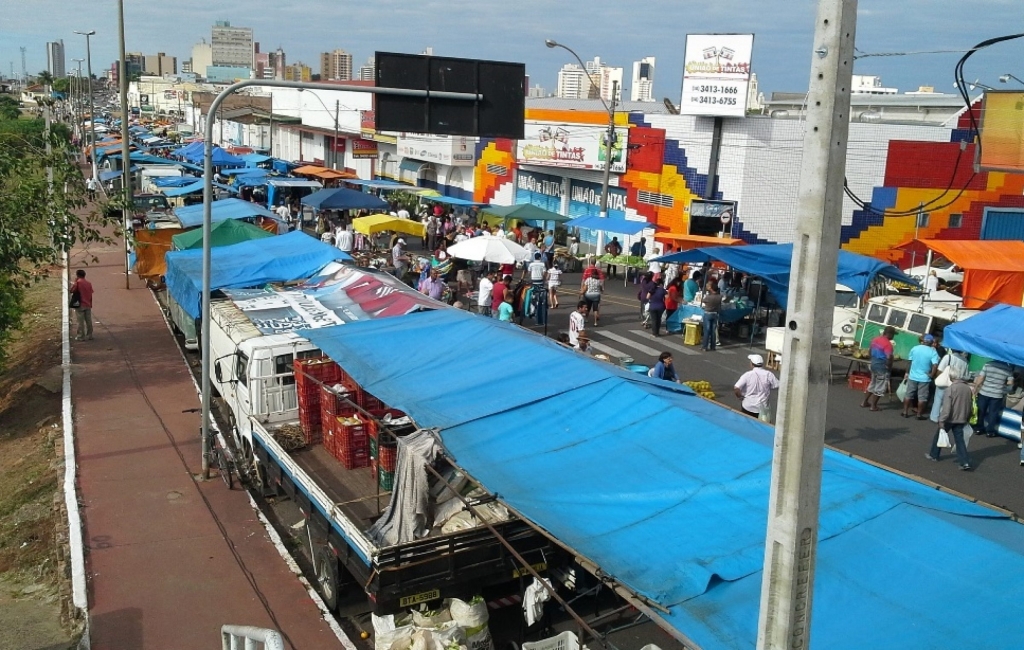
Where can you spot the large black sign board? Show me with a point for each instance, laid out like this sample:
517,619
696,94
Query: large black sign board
498,115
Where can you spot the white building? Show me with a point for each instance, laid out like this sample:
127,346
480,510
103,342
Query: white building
367,71
202,57
536,91
604,76
232,46
863,84
572,82
642,87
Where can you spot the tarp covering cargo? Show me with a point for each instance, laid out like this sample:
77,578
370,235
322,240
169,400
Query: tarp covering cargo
668,492
253,263
223,233
150,248
773,263
192,215
349,294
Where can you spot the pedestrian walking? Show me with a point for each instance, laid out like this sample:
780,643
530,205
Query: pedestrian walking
755,387
591,290
505,311
951,360
483,295
993,383
345,239
92,186
537,270
881,353
673,294
954,414
577,321
613,248
664,368
81,301
656,304
554,280
498,293
712,304
923,362
646,284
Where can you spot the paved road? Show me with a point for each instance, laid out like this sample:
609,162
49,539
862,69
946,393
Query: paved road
883,437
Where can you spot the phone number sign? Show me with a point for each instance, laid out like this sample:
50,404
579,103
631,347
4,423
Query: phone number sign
716,74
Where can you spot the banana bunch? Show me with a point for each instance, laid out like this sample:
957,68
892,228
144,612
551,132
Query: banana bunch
702,388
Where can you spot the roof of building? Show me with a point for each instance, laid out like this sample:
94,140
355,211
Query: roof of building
594,105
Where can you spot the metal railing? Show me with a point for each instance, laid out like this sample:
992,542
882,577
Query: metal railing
247,637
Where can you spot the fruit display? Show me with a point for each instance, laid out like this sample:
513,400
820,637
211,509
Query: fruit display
702,388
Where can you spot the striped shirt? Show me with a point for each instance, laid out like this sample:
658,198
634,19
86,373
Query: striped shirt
995,379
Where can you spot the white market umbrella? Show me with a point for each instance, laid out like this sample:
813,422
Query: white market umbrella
489,249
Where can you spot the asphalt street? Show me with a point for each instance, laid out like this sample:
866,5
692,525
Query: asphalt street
881,437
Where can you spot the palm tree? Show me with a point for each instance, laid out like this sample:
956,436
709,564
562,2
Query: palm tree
45,78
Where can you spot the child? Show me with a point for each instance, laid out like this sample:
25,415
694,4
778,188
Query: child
554,281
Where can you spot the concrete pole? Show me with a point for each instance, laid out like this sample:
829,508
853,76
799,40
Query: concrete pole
609,144
787,586
334,154
92,105
126,158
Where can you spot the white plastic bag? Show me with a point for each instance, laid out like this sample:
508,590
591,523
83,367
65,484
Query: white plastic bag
944,439
449,635
968,432
431,619
473,617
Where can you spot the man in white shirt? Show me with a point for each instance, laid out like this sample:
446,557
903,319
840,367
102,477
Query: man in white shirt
755,388
345,239
577,322
403,213
399,259
931,283
283,212
483,298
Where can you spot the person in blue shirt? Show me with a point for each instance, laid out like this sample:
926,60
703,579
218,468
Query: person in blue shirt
923,362
691,287
664,368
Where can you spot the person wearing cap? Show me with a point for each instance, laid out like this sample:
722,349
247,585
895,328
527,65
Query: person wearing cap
399,259
537,270
583,343
664,368
755,388
880,352
924,361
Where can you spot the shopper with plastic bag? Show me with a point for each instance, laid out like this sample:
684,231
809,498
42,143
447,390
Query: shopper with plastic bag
955,414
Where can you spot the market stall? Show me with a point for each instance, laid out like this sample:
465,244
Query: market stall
376,223
993,269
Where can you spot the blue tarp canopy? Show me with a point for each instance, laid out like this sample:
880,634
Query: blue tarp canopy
190,149
340,198
254,159
248,171
381,184
114,173
174,181
149,159
192,215
254,263
668,492
610,224
773,262
997,333
195,186
219,156
451,200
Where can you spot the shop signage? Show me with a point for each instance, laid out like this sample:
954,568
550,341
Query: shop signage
574,146
542,190
362,148
454,151
711,218
716,74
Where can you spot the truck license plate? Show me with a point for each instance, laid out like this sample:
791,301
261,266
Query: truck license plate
540,566
423,597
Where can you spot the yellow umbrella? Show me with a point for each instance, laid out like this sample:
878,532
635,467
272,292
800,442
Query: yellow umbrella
384,222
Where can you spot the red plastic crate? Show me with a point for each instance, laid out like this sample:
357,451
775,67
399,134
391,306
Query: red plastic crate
370,403
859,381
310,422
388,457
351,457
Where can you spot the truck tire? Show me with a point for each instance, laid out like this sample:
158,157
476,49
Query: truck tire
326,567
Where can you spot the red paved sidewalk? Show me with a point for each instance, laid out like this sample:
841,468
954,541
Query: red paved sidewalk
168,559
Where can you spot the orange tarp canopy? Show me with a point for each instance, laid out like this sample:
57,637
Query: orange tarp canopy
689,242
993,269
322,172
150,248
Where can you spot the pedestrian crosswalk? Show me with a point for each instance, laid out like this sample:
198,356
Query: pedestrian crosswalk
643,342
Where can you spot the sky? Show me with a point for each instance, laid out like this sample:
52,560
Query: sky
619,32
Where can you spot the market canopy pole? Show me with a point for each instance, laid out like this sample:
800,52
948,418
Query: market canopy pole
787,586
208,208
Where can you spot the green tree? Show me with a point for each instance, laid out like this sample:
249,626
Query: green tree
45,78
9,109
62,85
36,224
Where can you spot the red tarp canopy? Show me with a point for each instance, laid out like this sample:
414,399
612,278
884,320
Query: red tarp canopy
993,269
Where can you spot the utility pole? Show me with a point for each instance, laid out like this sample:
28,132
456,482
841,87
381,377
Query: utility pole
787,587
609,148
334,154
92,107
126,158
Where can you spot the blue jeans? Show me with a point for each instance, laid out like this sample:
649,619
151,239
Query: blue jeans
540,297
709,336
990,411
957,431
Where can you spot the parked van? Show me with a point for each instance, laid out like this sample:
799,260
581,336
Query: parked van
911,316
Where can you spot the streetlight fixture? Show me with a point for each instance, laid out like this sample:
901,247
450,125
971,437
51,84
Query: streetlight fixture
1006,78
337,107
609,141
975,84
92,108
76,103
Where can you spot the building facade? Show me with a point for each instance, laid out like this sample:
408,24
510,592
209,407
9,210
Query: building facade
572,82
641,87
298,72
55,59
202,57
277,60
159,64
335,66
368,71
232,46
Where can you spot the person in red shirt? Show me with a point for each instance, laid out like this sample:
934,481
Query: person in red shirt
672,297
81,302
498,293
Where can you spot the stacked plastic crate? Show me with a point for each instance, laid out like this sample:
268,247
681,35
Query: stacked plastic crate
384,450
310,375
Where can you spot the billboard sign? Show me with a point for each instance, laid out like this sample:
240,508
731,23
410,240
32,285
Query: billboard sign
712,218
571,145
716,74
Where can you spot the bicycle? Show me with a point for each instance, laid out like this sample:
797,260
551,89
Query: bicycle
220,457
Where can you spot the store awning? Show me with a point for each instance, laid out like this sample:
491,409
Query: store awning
610,224
293,182
993,269
451,200
996,333
412,165
322,172
380,184
682,518
524,212
385,222
773,263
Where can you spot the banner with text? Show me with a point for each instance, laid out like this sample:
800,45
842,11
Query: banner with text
578,146
585,198
541,190
716,74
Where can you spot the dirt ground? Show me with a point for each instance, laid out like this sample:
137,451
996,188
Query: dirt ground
30,477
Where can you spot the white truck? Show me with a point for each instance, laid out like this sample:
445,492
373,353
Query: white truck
253,374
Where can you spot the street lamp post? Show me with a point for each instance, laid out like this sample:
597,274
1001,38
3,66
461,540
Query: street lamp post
92,108
609,138
1006,78
127,206
337,107
77,104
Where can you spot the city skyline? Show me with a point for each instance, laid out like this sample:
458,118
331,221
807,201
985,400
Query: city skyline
618,35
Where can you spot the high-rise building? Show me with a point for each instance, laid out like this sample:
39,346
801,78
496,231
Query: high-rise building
336,65
298,72
202,57
159,64
642,88
232,46
55,59
604,76
277,62
135,64
261,66
368,71
572,82
536,91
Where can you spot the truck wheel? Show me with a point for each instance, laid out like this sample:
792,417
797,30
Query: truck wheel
326,567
